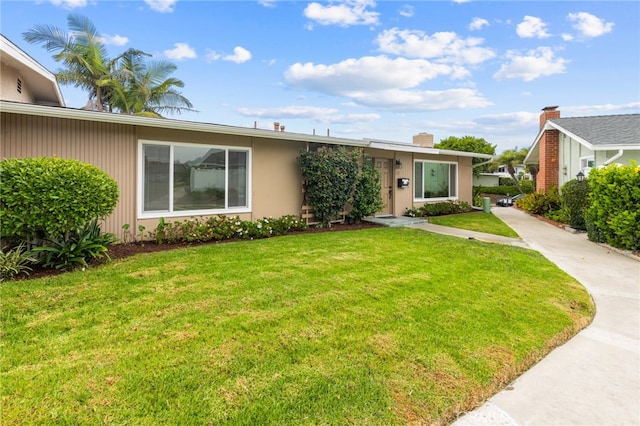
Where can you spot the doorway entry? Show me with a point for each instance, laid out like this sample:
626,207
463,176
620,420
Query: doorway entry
385,168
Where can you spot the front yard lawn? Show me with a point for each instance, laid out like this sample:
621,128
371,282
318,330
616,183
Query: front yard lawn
475,221
381,326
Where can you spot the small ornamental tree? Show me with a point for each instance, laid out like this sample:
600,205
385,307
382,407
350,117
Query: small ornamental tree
52,197
330,176
575,200
367,197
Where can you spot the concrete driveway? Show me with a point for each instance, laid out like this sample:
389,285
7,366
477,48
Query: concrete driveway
593,379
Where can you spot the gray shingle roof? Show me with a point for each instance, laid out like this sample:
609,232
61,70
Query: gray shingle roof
604,130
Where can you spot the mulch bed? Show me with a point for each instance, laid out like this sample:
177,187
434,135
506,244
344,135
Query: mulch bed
121,251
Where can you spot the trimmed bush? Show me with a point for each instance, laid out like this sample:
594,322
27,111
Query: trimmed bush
439,209
575,202
52,197
527,186
614,214
541,202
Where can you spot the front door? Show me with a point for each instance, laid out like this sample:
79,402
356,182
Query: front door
385,168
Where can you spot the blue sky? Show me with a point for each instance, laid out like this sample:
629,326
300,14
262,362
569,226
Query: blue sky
372,69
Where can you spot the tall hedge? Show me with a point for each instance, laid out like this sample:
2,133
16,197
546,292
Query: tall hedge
614,215
50,197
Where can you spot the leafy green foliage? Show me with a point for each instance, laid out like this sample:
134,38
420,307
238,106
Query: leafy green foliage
86,243
367,197
526,185
575,202
439,209
218,228
330,176
540,202
50,197
614,214
469,144
15,261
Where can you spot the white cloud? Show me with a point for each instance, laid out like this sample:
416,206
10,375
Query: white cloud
633,107
319,114
406,11
116,40
239,55
180,51
162,6
536,63
69,4
532,27
478,23
344,13
369,73
443,46
267,3
421,100
588,25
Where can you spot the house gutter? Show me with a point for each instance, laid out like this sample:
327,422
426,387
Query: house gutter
615,157
482,164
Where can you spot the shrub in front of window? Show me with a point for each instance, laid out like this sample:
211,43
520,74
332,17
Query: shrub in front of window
614,214
439,209
330,176
52,197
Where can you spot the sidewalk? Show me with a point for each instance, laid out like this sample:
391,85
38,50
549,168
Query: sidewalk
593,379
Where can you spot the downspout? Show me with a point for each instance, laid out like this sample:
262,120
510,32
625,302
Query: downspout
615,157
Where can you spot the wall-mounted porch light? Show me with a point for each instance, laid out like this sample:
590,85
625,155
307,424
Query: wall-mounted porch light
580,176
398,164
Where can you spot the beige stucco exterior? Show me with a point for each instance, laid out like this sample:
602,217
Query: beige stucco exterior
276,181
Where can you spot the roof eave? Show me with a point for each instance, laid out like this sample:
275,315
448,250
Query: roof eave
390,146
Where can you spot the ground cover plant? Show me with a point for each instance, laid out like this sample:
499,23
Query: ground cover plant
475,221
379,326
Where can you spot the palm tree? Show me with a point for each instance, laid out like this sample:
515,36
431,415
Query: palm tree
144,88
512,158
83,54
125,84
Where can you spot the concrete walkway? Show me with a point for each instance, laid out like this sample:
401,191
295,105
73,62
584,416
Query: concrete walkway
593,379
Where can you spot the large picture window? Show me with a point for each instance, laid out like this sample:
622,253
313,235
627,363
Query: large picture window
183,179
435,180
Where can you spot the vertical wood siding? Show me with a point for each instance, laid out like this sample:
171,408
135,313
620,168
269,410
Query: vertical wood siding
111,147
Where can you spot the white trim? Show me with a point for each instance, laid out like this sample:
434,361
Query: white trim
406,147
448,198
189,213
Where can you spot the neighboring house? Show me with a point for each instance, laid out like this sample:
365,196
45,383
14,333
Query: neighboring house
179,169
566,146
493,178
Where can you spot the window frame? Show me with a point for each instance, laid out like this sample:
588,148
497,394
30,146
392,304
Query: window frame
415,183
155,214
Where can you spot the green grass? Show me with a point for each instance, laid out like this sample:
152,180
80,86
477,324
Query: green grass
383,326
475,221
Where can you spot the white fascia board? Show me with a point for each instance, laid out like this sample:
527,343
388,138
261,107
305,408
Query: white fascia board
388,146
168,123
10,49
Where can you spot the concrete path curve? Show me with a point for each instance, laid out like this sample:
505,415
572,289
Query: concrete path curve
593,379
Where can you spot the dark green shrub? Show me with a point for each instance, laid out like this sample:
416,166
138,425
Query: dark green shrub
366,196
15,261
439,209
540,202
51,197
330,176
86,243
575,202
615,205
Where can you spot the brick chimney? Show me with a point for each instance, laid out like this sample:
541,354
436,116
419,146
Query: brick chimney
423,139
549,146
